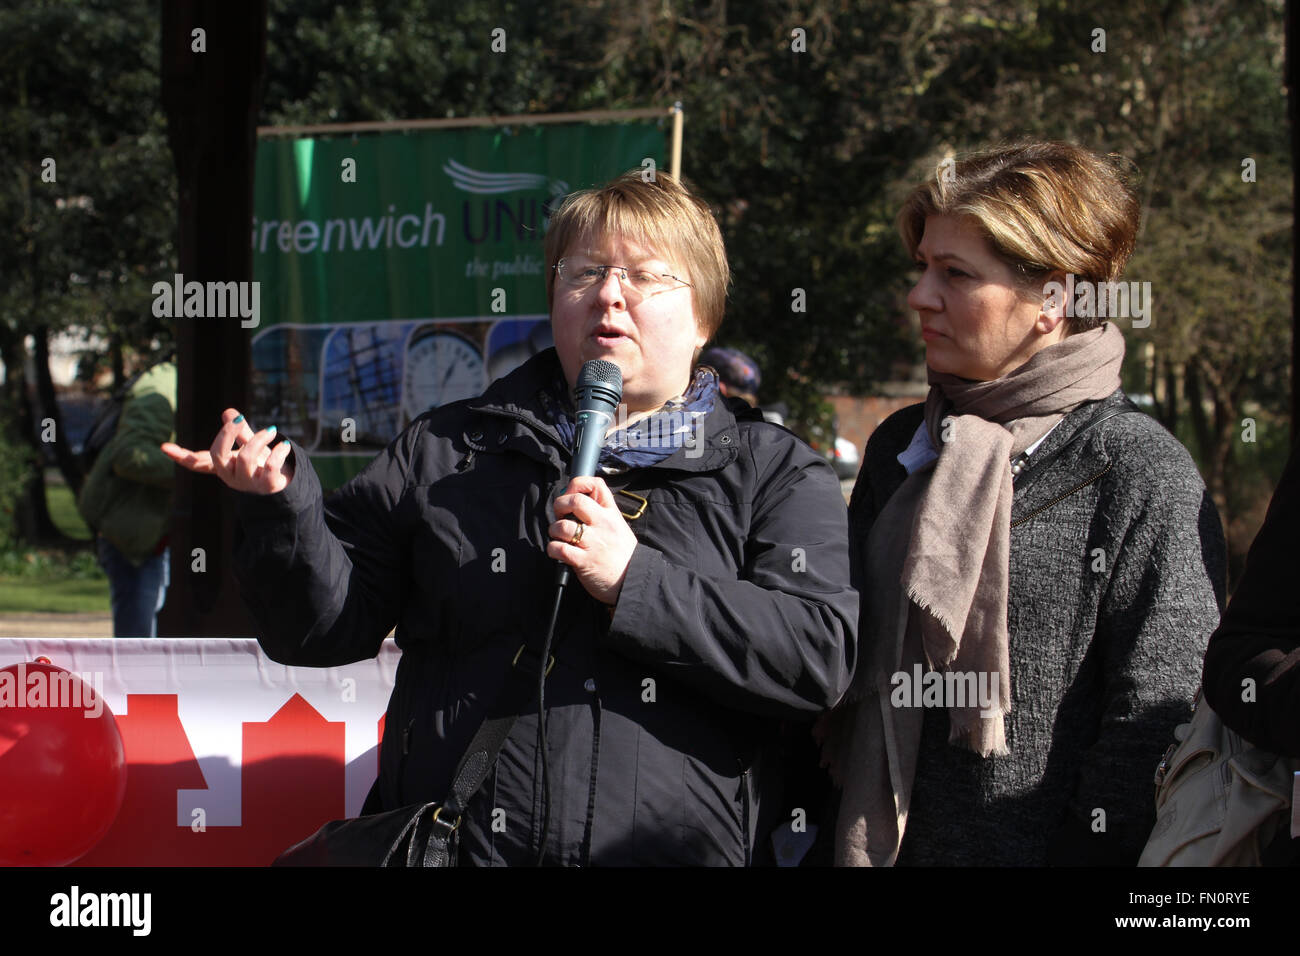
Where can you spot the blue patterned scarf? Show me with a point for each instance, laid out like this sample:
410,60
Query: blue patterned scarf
650,439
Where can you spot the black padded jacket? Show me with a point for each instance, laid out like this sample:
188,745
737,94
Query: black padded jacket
664,715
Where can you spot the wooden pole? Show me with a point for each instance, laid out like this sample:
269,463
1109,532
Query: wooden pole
519,119
675,163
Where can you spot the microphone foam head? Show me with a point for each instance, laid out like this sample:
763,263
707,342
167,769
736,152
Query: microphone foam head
601,372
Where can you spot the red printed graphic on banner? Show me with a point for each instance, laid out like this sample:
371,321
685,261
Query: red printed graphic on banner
292,781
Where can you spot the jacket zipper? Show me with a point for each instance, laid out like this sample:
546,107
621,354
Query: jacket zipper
401,762
744,821
1057,500
591,785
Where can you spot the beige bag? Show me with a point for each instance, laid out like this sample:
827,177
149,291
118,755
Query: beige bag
1219,799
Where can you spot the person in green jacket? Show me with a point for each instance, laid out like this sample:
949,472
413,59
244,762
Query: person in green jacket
127,500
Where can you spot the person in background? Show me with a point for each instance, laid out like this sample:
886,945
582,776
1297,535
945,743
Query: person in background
127,501
1252,666
1025,542
739,377
1251,676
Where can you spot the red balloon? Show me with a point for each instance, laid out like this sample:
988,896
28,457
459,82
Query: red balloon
62,766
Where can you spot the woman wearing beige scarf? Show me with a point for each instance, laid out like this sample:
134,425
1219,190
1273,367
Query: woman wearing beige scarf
1039,570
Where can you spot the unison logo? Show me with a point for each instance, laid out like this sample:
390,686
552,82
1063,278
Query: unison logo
52,688
946,689
472,181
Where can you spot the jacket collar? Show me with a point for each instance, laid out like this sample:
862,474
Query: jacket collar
516,395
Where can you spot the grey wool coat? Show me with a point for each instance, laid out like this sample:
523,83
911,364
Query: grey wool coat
1116,582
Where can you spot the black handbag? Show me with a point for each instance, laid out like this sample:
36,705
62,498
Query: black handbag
424,834
401,837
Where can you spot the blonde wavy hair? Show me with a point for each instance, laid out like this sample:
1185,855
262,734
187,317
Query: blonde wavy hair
1043,207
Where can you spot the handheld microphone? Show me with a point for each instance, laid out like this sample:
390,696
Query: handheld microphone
598,392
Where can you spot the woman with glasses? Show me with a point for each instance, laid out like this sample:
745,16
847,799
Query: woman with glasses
710,552
1040,565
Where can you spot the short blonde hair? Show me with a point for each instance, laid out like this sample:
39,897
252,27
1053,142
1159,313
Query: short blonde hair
1042,207
660,214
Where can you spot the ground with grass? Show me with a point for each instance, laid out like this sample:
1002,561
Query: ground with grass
41,580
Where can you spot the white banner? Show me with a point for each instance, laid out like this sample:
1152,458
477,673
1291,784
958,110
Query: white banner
183,704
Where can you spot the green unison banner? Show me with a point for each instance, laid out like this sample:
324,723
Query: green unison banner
399,271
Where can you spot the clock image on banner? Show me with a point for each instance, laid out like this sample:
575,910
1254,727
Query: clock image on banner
442,366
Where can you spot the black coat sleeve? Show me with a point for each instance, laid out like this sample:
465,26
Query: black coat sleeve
323,580
1259,637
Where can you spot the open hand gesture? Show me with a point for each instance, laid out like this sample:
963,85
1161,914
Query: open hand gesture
240,457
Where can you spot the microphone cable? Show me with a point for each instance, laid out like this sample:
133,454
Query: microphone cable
541,719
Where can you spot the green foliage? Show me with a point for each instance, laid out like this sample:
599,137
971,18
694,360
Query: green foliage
51,566
340,63
16,461
81,86
90,201
805,156
49,580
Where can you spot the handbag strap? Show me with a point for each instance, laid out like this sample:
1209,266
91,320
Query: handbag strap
479,759
482,753
1024,464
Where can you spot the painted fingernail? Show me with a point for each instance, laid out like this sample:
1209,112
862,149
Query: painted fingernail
236,421
271,428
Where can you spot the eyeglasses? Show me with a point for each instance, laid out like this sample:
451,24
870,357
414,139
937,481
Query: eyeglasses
581,274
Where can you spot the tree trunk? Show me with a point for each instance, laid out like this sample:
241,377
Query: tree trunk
1227,418
1192,381
11,353
35,526
212,101
49,405
1220,438
115,361
1169,409
1159,393
1289,79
